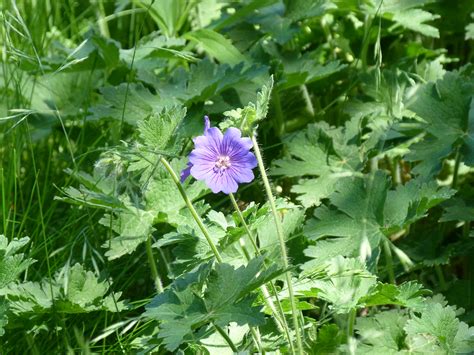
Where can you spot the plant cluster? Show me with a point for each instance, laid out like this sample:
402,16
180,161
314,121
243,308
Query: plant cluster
252,176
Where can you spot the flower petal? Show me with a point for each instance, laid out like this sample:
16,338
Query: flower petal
234,142
202,171
185,172
241,175
243,159
222,182
246,143
207,123
202,156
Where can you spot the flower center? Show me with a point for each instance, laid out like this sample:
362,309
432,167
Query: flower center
223,162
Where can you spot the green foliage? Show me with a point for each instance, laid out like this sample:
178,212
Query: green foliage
365,212
438,329
217,46
248,117
364,115
158,131
12,263
407,295
448,118
76,290
208,295
130,103
342,282
322,151
435,330
382,332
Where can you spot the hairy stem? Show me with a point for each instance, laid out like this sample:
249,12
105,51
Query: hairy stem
281,240
389,261
242,220
457,163
350,322
307,100
279,314
191,208
257,340
226,337
279,120
153,268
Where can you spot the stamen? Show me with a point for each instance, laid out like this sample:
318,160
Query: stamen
223,162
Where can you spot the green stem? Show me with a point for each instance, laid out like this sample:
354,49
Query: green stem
389,261
457,163
103,25
279,117
281,240
246,227
440,274
468,264
226,337
153,268
307,100
466,229
350,323
257,339
280,314
191,208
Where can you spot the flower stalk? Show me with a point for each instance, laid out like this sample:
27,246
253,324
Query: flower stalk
226,337
153,268
281,240
191,208
278,314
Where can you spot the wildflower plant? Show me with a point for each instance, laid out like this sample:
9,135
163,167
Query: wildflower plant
325,208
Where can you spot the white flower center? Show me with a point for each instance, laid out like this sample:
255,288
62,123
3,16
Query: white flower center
223,162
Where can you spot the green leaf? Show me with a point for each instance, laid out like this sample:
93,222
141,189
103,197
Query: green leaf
320,151
381,333
448,113
357,222
133,227
227,285
208,11
169,15
328,341
209,296
407,13
263,101
408,294
438,326
75,290
217,46
458,209
246,118
302,9
243,12
306,70
470,30
414,19
343,282
367,212
12,263
3,315
410,202
130,102
159,131
292,220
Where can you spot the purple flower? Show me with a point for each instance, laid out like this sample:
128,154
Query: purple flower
222,160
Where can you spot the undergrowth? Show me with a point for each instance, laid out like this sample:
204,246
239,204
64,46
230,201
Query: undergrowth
355,235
